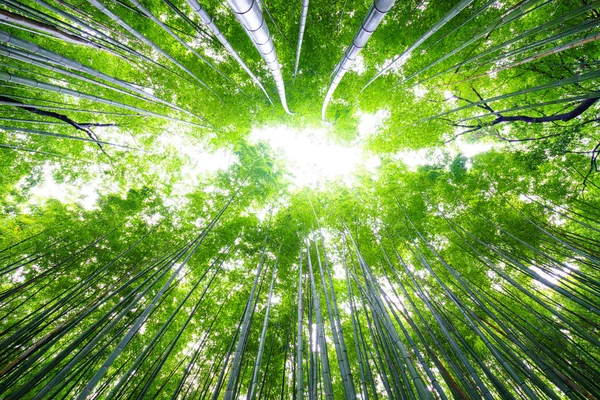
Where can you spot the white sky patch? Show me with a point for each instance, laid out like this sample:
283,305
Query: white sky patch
198,161
397,64
431,156
419,91
370,123
416,158
312,158
83,193
276,299
470,150
552,279
372,163
261,213
358,65
198,43
196,158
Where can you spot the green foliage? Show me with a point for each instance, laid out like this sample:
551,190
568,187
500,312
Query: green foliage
465,273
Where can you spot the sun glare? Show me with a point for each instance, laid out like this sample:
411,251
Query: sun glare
311,157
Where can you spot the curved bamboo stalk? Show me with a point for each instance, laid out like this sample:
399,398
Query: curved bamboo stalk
40,26
164,26
100,6
261,346
374,16
7,77
301,35
209,22
252,19
522,9
438,25
530,32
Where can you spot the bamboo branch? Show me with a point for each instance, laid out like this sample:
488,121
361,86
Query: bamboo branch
84,128
8,16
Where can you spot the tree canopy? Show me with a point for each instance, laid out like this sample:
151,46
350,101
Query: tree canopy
308,199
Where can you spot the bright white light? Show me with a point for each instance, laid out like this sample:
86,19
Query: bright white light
358,65
397,65
370,123
198,161
416,158
431,156
311,157
192,158
202,160
276,299
84,193
472,149
419,91
449,96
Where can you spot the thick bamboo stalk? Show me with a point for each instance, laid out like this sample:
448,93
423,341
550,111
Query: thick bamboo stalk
374,16
210,24
21,80
100,6
40,26
303,16
437,26
244,333
261,346
252,20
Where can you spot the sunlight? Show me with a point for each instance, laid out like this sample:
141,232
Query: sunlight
311,157
435,156
370,123
83,193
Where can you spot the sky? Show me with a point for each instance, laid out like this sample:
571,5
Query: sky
310,156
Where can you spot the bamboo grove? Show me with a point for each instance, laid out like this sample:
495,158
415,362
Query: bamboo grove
465,264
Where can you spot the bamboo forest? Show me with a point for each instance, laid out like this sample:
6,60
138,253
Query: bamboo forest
299,199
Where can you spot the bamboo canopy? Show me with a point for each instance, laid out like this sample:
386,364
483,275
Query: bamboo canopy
167,232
